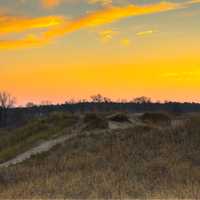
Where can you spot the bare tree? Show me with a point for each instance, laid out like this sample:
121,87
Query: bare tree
6,100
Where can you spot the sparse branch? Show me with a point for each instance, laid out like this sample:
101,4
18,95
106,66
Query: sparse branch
6,100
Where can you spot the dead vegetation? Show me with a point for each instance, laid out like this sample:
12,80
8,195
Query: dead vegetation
156,118
139,162
94,121
119,117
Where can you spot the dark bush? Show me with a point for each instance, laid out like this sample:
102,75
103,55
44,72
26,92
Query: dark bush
62,119
156,118
89,117
93,121
119,117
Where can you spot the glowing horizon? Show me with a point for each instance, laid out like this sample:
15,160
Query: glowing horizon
61,49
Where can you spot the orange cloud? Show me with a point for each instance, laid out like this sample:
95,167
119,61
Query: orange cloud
112,14
107,35
96,18
28,41
145,33
109,15
13,24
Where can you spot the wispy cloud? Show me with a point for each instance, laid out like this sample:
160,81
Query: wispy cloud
107,35
100,17
28,41
146,33
18,24
14,24
109,15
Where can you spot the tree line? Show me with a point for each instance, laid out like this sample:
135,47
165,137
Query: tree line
10,115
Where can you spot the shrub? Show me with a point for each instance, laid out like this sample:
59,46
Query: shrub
156,118
89,117
93,121
62,119
119,117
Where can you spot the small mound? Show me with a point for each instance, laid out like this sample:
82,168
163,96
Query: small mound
156,118
119,117
93,121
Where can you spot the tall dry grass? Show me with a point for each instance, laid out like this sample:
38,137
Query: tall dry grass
140,162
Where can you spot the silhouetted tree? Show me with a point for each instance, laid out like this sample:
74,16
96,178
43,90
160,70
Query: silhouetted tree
107,100
100,99
97,98
71,101
142,100
6,101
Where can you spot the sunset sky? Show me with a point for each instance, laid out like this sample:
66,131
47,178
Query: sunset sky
61,49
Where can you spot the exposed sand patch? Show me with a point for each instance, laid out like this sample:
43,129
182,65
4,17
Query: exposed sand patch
119,125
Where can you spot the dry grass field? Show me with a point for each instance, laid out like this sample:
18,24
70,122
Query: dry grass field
136,159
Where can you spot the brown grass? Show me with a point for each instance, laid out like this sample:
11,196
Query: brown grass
158,118
140,162
119,117
94,121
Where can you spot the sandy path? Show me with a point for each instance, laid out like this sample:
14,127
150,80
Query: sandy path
44,147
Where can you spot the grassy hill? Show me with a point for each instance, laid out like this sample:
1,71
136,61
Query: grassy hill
144,160
15,141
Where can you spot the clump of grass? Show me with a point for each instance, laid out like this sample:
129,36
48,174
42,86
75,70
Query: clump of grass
156,118
93,121
119,117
